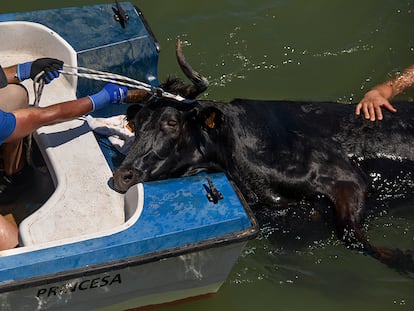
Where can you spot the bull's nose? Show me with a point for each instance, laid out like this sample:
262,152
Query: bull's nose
124,179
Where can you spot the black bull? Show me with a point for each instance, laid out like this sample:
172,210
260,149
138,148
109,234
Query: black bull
274,149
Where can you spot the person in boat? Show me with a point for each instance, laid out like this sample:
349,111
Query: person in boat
17,120
380,95
13,96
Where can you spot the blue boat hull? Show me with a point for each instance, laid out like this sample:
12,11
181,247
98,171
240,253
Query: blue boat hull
181,245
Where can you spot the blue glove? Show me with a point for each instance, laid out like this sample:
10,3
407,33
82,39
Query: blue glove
49,66
110,94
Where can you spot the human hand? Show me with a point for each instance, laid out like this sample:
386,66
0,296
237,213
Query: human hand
371,105
49,66
111,94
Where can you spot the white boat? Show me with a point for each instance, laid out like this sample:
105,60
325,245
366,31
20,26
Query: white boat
86,246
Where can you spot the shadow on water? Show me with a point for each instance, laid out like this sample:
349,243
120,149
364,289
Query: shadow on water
294,225
297,262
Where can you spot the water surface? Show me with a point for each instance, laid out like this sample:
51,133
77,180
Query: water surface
320,50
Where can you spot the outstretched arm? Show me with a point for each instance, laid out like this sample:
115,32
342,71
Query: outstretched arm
30,119
380,95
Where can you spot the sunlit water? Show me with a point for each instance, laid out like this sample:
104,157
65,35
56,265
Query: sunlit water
300,50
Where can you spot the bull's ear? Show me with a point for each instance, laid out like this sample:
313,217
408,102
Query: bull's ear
132,111
130,116
211,117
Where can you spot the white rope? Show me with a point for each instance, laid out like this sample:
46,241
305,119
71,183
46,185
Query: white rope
120,80
104,76
38,85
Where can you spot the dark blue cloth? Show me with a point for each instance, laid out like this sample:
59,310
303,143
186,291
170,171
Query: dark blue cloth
7,125
3,79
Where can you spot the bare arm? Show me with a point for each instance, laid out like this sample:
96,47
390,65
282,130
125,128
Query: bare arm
30,119
380,95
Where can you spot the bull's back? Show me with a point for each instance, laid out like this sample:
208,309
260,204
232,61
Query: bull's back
393,136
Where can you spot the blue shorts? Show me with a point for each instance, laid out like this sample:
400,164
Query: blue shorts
3,78
7,125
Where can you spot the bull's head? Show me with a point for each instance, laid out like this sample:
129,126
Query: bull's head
171,139
165,132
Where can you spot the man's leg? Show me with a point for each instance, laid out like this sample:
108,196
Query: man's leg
8,234
13,96
13,157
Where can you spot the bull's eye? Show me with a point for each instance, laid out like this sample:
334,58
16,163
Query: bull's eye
172,122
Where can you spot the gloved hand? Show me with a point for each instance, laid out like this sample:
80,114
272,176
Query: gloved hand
50,66
110,94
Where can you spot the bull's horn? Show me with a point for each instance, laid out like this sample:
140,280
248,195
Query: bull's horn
136,96
200,83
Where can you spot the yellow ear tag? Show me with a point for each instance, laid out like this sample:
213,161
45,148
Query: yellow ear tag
210,120
129,127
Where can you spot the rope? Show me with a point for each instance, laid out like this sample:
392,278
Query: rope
38,85
106,77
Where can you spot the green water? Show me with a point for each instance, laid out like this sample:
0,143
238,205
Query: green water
304,50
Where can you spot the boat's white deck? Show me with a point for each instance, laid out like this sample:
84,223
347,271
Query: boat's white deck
82,203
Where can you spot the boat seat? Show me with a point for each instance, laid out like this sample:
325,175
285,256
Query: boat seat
82,203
